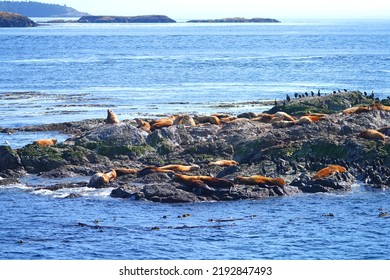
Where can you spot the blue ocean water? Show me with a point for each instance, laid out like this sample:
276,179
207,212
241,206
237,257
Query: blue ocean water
68,72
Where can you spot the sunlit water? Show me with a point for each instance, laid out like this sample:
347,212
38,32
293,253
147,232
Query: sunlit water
73,72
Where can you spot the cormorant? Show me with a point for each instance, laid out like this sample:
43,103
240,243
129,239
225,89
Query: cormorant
345,90
306,93
288,98
296,95
334,92
319,93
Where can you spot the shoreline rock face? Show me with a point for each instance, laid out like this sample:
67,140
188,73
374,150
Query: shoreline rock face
123,19
15,20
260,144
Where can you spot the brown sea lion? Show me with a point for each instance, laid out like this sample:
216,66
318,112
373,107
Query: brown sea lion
260,180
223,162
180,168
304,120
283,116
372,134
144,125
212,182
356,110
380,107
125,171
208,119
329,170
184,120
163,122
111,117
282,123
99,179
45,142
264,117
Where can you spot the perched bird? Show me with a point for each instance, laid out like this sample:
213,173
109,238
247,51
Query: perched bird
345,90
296,95
319,93
306,93
288,98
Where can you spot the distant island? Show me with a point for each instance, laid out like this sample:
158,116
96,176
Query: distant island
234,20
15,20
37,9
123,19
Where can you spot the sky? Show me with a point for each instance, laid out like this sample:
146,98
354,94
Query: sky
212,9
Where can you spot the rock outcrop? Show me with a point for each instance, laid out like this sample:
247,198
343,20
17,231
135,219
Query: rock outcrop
15,20
235,20
123,19
258,147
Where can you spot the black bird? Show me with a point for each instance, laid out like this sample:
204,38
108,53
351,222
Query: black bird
365,93
312,93
288,98
339,90
276,103
299,96
334,92
296,95
345,90
306,93
319,93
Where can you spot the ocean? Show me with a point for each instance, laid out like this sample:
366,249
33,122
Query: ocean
71,72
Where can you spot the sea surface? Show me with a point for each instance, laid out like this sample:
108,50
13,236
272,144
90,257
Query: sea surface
70,72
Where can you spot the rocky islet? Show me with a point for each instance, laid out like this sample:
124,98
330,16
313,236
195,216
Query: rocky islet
259,146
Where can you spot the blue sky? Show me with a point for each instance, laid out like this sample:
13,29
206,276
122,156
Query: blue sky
204,9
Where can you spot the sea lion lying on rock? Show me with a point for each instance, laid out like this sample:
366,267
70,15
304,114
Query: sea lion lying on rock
163,122
260,181
170,169
329,170
223,162
45,142
210,181
372,134
100,179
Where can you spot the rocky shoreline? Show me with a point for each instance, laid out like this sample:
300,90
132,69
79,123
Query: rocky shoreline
220,157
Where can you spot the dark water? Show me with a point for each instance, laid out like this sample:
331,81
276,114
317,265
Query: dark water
41,226
73,72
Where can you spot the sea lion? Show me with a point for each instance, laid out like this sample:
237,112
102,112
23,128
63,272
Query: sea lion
153,169
163,122
260,180
372,134
283,123
380,107
263,117
45,142
329,170
193,180
228,119
125,171
99,179
184,120
283,116
180,168
144,125
356,110
224,162
304,120
208,119
111,117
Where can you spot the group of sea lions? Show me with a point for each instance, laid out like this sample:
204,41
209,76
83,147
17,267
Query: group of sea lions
279,120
